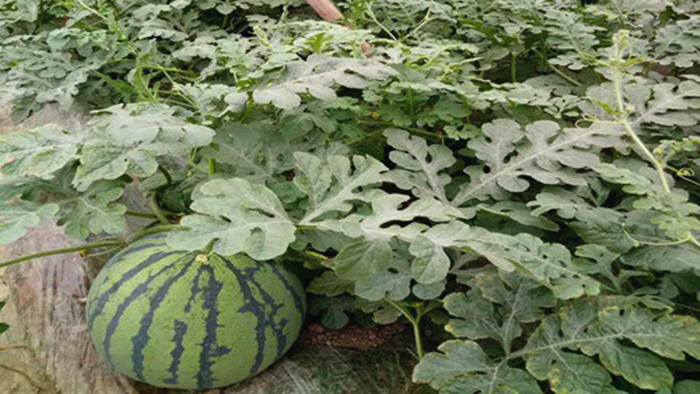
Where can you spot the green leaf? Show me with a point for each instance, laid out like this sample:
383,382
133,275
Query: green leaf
598,332
475,317
567,204
26,10
16,216
239,217
550,264
160,29
393,283
576,373
571,36
320,240
675,213
431,263
95,211
209,99
686,387
333,311
38,152
520,213
317,76
429,291
377,270
421,167
52,65
676,258
330,285
604,227
361,259
335,318
635,180
621,233
678,43
603,265
387,209
543,152
128,139
463,367
664,104
518,300
14,187
668,336
333,184
258,152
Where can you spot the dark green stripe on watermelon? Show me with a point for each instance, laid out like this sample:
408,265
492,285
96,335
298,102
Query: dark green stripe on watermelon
140,340
210,348
180,331
163,317
257,308
298,295
104,297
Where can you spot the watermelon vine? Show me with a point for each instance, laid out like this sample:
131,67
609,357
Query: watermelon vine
522,174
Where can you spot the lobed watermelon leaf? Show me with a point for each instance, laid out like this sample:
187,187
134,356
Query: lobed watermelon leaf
238,217
17,216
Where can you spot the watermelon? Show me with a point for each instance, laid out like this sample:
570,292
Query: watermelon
185,320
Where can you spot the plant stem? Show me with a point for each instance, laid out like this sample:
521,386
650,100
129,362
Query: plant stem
514,67
417,338
359,140
415,322
650,156
153,231
92,10
100,244
425,21
633,135
317,256
225,22
106,252
156,210
166,174
556,70
195,167
374,19
95,245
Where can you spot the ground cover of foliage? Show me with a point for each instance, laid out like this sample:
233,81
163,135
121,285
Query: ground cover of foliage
522,173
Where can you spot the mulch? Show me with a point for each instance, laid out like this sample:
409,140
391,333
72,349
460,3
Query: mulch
356,337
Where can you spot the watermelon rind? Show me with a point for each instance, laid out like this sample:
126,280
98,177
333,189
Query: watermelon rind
180,319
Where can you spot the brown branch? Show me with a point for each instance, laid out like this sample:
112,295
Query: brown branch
3,348
326,9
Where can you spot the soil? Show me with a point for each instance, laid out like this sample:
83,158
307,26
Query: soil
355,337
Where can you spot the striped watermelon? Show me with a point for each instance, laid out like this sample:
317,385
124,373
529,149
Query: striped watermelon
177,319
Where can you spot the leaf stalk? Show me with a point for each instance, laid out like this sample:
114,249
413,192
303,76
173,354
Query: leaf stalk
95,245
